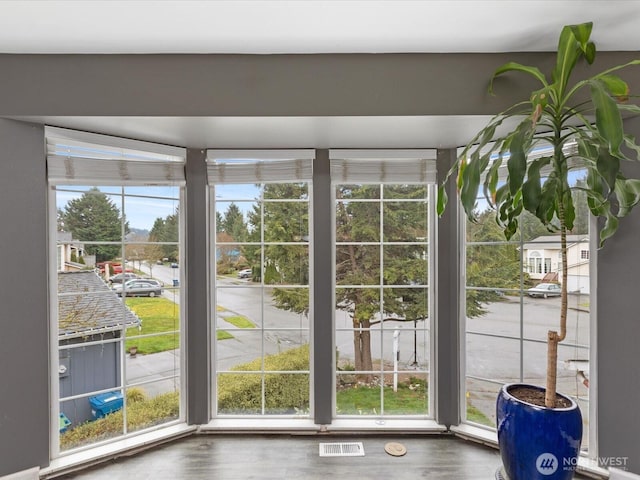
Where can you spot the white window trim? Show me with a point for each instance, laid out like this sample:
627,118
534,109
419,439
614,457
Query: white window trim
373,168
175,156
221,172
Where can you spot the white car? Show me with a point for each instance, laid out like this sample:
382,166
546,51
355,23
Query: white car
139,287
246,273
545,290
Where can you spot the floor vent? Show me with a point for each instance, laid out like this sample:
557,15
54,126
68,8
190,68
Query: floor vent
350,449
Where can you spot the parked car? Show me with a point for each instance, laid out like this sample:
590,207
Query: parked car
544,290
139,287
120,277
246,273
174,265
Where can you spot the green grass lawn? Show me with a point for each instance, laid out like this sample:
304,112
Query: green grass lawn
239,321
366,401
160,315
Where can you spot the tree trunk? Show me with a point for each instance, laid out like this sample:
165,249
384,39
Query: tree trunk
553,338
362,350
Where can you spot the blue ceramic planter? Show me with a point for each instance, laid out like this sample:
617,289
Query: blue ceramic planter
537,442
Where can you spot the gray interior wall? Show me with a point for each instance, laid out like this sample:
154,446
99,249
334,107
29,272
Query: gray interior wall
618,371
272,85
262,85
24,317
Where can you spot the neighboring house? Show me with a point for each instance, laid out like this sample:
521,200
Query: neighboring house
83,319
67,249
542,260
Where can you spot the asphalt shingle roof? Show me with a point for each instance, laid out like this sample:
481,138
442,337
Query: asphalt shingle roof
87,306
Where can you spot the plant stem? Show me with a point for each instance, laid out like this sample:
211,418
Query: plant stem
553,338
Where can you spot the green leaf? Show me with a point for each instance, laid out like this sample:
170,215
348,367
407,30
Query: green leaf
610,224
582,32
608,118
590,52
608,167
547,206
491,181
627,194
442,200
517,67
517,163
532,187
469,185
570,45
569,209
615,86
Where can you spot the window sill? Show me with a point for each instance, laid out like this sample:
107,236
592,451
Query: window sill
75,461
347,425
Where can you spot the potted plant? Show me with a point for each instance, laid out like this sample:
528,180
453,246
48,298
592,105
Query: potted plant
579,125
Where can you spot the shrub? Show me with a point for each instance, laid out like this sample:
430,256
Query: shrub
136,395
284,392
141,413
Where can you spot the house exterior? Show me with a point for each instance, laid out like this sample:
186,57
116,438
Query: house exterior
83,319
543,261
68,248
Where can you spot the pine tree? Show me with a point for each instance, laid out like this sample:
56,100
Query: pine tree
94,218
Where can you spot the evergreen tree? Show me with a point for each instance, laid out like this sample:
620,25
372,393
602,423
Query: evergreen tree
219,222
233,224
492,265
94,218
166,230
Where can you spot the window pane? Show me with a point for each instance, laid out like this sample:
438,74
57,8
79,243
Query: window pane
357,222
287,394
117,306
408,192
357,264
150,404
239,393
262,323
484,362
286,222
405,221
287,191
358,191
405,264
481,401
286,264
410,397
381,319
508,305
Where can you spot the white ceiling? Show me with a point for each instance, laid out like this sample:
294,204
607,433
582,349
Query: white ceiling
302,26
308,26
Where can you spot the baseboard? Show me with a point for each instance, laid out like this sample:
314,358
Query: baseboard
30,474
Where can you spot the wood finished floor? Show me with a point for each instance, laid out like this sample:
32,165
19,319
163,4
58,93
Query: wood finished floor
244,457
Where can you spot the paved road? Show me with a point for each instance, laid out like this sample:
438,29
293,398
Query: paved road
487,355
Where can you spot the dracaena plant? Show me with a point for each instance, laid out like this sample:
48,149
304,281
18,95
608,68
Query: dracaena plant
579,123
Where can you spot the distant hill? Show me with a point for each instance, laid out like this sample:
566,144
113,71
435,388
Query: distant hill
139,233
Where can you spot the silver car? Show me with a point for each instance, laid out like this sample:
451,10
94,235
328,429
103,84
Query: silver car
139,287
545,290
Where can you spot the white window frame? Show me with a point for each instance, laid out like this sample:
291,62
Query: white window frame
258,166
131,170
390,166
